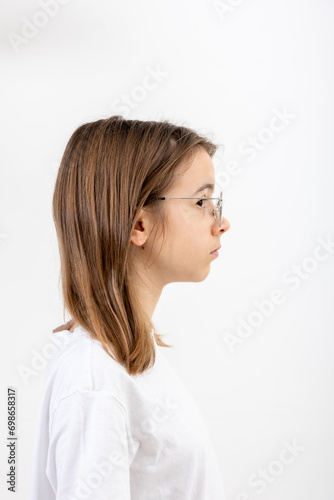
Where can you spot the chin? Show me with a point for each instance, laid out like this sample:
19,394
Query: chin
192,275
201,276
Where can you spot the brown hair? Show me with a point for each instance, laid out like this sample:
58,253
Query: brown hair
111,168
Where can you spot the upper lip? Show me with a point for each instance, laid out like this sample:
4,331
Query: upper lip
216,249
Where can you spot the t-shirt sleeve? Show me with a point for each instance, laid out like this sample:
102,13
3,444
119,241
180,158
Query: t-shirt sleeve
90,448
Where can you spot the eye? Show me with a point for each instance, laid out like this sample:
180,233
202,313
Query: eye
201,201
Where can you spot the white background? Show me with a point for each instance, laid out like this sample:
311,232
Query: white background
225,70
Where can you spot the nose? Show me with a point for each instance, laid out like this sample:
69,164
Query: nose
225,226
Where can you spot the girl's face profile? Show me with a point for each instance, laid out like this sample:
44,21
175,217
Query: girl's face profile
184,254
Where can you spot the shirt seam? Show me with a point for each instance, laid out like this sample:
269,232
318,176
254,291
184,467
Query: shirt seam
129,435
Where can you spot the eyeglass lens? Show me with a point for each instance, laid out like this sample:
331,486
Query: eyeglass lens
216,207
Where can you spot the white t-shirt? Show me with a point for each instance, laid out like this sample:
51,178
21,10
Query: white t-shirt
104,434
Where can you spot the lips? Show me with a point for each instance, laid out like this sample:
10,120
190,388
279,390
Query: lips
216,249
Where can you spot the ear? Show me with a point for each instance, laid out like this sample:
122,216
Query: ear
142,228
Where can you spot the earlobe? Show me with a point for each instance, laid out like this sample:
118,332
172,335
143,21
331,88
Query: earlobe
137,238
138,233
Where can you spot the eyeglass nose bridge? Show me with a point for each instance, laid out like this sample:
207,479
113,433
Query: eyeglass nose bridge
215,216
219,209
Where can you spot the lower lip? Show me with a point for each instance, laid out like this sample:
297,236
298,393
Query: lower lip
215,253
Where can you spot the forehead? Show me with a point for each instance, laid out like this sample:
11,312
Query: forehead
199,170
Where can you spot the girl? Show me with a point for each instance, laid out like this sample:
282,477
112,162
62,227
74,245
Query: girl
134,209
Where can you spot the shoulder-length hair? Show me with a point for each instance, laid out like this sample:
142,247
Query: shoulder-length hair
111,168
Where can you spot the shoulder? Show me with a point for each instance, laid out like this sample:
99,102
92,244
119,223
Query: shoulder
79,363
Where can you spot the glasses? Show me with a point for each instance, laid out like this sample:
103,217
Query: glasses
219,205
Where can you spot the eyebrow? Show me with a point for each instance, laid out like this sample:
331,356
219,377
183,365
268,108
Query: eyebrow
205,186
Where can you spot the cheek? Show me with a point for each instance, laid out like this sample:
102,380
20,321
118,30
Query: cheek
185,247
186,235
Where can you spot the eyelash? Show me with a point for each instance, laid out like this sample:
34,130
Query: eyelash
200,201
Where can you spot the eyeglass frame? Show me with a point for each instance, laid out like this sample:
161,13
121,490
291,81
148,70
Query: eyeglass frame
219,208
